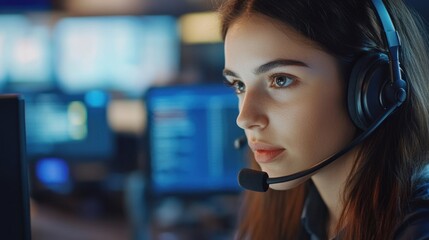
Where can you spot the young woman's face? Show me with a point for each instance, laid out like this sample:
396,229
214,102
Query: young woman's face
291,96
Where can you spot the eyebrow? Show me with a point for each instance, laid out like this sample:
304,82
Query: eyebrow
268,66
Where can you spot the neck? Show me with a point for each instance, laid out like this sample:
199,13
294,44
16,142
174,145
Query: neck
330,183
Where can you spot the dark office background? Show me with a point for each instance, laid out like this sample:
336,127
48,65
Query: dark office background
129,129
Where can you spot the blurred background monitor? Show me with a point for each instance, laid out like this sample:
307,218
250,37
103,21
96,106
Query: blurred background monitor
126,53
69,126
25,52
69,139
191,132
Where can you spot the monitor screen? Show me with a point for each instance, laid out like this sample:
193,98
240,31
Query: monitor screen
25,52
125,53
191,132
73,127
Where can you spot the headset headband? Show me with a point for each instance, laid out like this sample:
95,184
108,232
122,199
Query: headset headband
391,37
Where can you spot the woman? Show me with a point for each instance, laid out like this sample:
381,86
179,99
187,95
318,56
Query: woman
292,63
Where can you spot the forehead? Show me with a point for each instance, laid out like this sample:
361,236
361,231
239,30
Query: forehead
260,22
258,35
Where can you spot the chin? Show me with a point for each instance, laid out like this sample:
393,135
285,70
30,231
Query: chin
290,184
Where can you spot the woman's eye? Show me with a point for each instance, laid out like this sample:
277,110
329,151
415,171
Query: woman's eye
281,81
237,85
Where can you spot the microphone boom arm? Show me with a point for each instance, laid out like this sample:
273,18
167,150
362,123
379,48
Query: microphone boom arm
263,180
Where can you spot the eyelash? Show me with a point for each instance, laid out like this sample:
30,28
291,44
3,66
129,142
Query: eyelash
235,84
290,78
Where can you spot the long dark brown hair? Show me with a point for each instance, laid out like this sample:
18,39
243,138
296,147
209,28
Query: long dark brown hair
389,163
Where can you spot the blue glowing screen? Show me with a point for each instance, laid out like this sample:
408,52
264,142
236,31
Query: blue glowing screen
52,171
25,50
126,53
191,135
74,127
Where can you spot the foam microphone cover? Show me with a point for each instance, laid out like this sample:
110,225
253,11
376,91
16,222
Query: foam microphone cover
253,180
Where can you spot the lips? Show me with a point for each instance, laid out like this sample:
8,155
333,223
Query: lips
265,153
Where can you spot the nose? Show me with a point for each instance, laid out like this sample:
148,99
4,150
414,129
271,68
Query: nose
252,110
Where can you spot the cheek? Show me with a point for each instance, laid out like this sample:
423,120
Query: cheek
316,126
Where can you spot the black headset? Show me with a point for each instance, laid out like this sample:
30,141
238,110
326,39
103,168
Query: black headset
376,89
376,81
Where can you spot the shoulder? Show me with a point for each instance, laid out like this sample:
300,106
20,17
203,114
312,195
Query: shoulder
416,223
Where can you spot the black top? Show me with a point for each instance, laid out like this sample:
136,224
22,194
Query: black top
416,223
414,226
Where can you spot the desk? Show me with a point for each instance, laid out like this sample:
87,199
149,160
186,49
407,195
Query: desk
48,223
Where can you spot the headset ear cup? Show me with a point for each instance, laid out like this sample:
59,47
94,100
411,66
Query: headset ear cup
367,80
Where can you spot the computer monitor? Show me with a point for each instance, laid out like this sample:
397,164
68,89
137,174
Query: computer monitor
122,53
25,52
73,127
191,131
66,135
14,200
